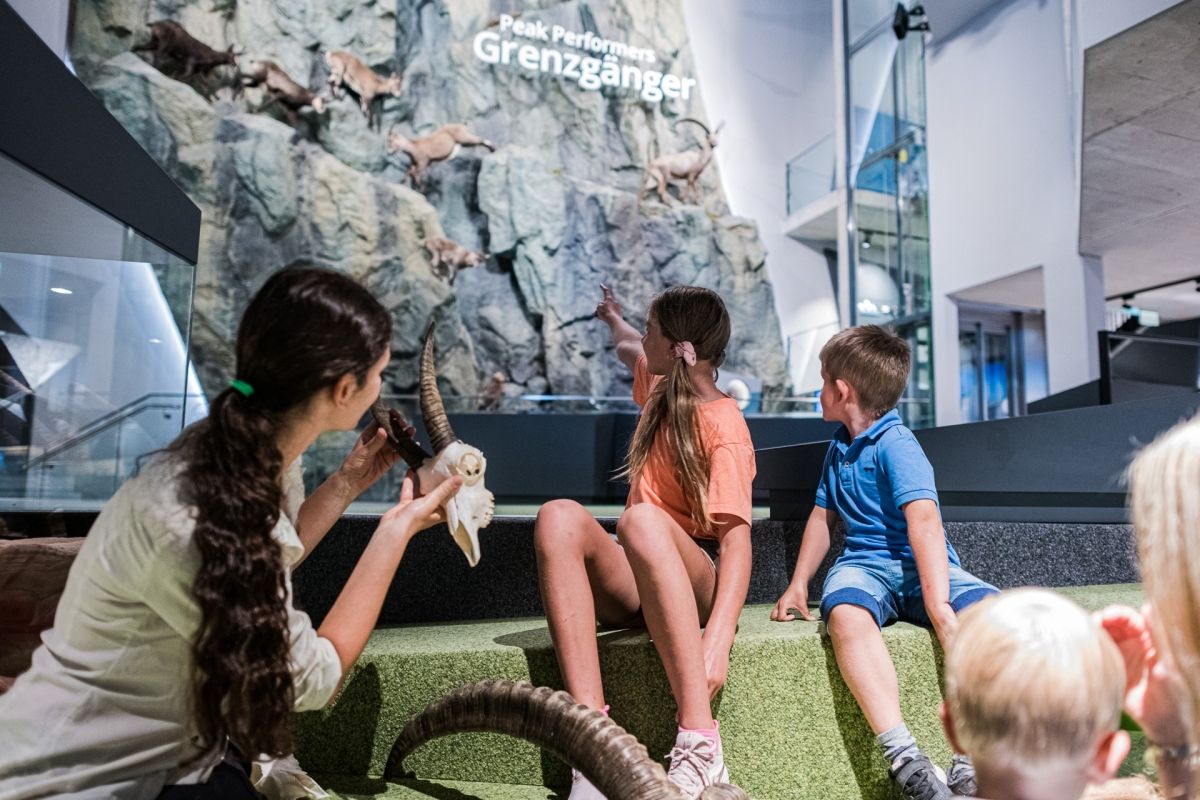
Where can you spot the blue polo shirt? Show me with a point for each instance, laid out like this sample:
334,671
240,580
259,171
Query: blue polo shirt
867,481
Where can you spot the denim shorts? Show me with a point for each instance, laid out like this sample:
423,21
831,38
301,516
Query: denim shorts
891,589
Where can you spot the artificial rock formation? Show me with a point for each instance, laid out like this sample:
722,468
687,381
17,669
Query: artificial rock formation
556,205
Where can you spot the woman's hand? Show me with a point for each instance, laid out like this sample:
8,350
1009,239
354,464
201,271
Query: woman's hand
608,310
1153,686
716,664
370,458
414,513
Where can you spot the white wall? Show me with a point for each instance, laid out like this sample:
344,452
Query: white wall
1101,19
1003,182
766,68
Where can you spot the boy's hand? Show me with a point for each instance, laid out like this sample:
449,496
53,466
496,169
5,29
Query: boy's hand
1153,686
945,623
608,310
796,597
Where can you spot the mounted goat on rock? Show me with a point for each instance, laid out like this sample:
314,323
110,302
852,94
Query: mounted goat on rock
441,145
281,89
447,257
169,40
685,166
346,70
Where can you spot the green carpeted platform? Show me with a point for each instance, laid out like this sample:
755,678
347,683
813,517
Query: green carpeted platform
790,727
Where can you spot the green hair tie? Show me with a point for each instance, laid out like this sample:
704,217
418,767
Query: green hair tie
242,388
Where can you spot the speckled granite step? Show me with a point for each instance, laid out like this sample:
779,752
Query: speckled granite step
790,727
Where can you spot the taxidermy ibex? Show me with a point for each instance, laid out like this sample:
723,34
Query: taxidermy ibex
169,39
281,88
345,69
680,166
470,509
442,144
447,257
614,761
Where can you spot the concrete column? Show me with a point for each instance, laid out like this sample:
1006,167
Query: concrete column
1074,289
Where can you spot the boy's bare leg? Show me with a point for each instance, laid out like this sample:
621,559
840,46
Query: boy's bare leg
582,573
866,665
676,582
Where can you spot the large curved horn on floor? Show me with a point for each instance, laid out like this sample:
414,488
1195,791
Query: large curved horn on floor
613,760
698,122
398,437
432,410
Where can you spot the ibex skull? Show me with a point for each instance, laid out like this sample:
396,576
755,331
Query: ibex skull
471,509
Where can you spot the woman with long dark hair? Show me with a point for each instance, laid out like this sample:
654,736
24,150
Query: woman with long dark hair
175,647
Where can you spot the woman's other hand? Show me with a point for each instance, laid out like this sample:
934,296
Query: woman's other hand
370,458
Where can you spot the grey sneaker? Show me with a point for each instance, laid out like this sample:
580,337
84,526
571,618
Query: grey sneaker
961,776
582,788
918,778
696,763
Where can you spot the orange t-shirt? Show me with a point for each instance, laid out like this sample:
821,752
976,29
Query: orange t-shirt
730,457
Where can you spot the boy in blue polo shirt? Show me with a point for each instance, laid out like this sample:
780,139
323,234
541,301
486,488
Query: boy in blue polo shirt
898,564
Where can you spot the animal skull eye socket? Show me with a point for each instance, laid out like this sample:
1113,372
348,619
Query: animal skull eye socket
470,466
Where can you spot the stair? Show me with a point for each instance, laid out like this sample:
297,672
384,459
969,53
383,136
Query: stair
790,727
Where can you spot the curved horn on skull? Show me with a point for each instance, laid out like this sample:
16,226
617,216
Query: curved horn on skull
616,762
707,132
432,409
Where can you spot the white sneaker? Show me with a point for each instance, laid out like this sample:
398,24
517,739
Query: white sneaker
582,788
697,762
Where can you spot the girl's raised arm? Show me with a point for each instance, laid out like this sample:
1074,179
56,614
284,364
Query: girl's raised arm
625,336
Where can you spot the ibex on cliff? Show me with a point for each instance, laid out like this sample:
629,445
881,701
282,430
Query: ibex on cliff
447,257
169,39
442,144
345,69
613,760
281,88
680,166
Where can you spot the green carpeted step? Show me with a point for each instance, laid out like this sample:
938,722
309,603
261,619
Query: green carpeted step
790,727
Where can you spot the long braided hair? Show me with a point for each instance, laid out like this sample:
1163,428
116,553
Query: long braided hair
303,331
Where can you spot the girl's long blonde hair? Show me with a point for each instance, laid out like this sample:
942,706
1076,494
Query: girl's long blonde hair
684,314
1165,504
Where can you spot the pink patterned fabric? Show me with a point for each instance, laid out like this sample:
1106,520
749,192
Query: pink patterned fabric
685,351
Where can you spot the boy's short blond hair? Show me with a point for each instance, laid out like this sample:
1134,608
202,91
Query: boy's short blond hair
874,361
1032,679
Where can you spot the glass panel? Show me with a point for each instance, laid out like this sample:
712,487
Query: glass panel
872,107
812,174
969,370
94,369
910,84
996,371
912,185
862,15
879,297
916,407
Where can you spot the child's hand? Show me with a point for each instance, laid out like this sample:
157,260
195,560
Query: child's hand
945,623
796,597
608,309
716,665
1153,686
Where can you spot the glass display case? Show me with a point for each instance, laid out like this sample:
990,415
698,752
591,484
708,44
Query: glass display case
94,367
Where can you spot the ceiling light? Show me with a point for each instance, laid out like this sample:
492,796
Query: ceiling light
866,245
154,341
60,290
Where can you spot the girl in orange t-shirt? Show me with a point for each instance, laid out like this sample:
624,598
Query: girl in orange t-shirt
690,464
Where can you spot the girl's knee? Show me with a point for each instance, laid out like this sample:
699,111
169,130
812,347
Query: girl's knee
641,528
558,523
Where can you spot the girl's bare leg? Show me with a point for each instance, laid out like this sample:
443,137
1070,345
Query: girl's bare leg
676,582
583,575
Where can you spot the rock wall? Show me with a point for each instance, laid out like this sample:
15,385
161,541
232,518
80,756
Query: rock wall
556,205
